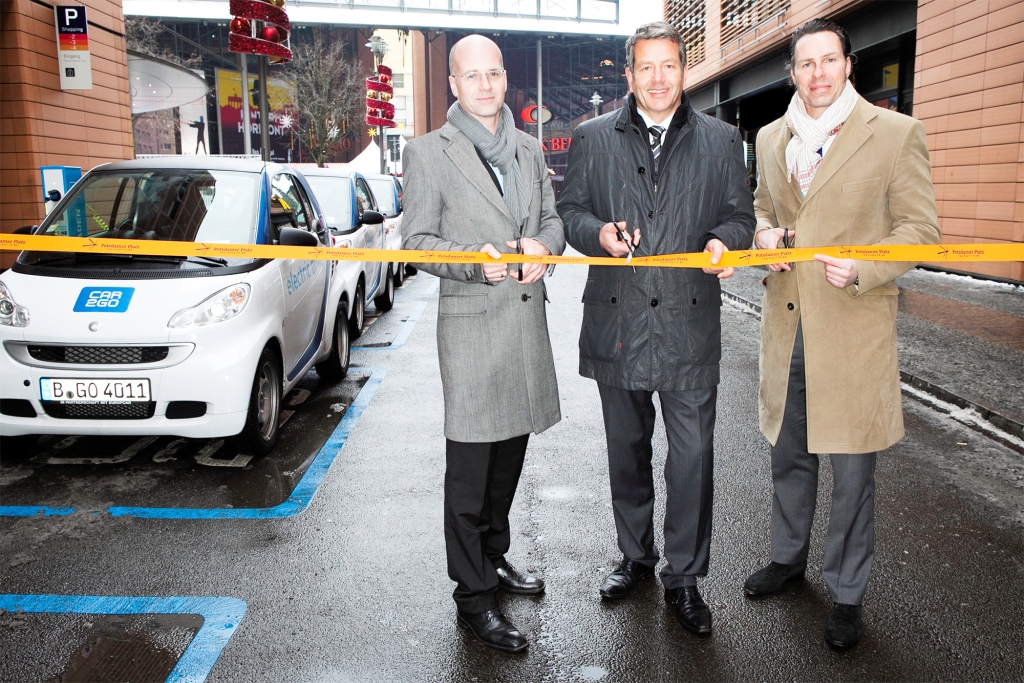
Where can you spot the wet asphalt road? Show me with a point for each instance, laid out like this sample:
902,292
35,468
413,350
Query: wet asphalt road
354,588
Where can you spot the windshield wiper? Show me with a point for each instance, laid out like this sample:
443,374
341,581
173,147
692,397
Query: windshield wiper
212,259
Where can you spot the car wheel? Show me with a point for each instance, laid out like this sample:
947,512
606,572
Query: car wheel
386,300
358,316
335,367
399,275
259,436
17,446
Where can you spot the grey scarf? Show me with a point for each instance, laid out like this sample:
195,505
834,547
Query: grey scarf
499,150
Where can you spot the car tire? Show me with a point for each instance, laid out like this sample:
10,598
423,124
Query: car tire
399,275
386,301
17,446
358,316
260,433
335,367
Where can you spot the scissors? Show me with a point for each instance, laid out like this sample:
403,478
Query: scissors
624,237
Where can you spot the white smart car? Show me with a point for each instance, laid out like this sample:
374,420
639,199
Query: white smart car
196,347
345,196
387,190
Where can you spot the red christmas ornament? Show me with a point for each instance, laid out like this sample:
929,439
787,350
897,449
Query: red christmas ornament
241,26
271,34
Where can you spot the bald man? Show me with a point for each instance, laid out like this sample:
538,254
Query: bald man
478,184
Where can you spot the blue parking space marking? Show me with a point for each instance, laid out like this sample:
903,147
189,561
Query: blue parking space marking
33,510
220,619
403,334
297,502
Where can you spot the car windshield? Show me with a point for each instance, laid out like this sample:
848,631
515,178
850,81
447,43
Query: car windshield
168,204
181,205
335,198
384,193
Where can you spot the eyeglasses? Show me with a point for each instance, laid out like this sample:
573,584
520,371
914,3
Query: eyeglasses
474,77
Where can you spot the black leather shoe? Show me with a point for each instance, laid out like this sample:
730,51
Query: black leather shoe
494,630
771,579
845,624
511,580
691,610
624,579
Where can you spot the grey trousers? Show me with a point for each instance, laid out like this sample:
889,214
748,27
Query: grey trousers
850,540
690,426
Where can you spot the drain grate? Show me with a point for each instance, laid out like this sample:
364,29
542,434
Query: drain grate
109,660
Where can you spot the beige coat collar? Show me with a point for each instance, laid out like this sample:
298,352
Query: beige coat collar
855,132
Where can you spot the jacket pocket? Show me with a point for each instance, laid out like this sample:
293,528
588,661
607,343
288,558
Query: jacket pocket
862,185
599,338
462,304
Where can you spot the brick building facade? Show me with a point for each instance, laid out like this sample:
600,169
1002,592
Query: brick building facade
957,65
44,125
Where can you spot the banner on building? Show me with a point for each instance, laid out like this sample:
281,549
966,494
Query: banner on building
283,115
73,60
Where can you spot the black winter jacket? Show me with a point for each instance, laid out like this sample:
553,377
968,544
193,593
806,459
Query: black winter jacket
656,329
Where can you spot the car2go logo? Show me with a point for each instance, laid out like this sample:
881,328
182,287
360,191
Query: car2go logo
104,299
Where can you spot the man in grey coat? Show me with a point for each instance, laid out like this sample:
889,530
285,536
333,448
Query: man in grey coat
478,184
669,180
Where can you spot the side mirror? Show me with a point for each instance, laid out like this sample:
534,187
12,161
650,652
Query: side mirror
25,230
371,218
293,237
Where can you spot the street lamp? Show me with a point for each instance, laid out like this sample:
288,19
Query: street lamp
379,48
596,101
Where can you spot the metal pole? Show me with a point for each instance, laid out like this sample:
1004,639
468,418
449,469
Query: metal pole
243,62
382,143
540,95
264,111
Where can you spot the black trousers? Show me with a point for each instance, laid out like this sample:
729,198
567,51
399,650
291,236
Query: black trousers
480,482
690,426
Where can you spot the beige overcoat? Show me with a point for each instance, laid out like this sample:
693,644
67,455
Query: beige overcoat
873,187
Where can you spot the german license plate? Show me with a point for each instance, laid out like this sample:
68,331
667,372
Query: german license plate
94,390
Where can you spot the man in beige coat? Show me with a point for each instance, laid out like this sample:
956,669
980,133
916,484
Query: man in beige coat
834,171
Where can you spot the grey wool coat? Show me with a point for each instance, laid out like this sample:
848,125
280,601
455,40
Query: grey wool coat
497,369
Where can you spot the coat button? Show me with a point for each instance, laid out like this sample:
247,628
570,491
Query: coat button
790,306
641,170
650,214
526,297
654,303
615,300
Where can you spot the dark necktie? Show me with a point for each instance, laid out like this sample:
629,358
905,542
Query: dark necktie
656,133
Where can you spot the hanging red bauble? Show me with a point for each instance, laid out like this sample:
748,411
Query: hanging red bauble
271,34
385,79
241,26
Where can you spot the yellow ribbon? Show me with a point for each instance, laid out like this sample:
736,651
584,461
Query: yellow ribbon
932,253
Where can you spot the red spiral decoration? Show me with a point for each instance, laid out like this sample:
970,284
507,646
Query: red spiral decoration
270,17
379,112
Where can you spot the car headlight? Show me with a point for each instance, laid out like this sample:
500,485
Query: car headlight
342,242
11,314
224,305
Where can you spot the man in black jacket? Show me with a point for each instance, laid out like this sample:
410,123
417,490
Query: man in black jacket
668,180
